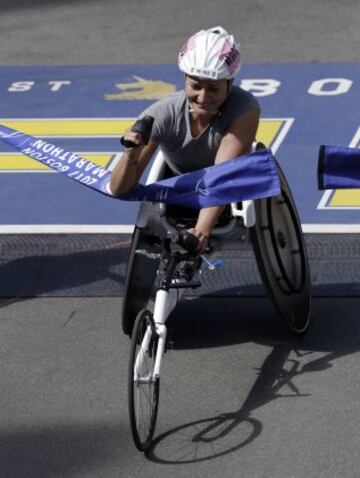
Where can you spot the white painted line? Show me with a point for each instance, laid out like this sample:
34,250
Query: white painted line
325,199
65,229
128,229
355,142
339,208
283,132
72,118
331,228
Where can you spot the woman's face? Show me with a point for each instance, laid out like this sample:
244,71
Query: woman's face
205,96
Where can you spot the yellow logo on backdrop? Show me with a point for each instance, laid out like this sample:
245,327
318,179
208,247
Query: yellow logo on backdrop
142,89
271,132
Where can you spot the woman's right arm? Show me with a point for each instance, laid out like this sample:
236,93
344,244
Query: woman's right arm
129,169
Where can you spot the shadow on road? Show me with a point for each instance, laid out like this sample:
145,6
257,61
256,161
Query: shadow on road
334,333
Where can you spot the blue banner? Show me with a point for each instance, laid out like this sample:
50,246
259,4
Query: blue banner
247,177
338,168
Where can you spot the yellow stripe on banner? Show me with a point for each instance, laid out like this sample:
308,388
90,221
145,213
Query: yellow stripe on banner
268,130
70,127
345,198
15,162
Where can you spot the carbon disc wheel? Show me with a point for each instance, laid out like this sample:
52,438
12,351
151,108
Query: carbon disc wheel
281,257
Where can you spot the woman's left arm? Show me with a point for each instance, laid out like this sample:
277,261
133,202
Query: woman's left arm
236,141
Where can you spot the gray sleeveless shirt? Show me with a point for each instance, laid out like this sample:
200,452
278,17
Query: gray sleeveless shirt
171,130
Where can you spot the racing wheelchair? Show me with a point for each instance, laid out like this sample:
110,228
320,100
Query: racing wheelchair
162,264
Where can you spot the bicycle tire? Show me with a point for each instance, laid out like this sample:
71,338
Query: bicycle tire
143,392
281,256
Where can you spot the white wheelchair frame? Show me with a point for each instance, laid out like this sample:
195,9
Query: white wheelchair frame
274,273
166,298
165,301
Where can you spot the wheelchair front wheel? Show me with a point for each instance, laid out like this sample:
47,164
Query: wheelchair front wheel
281,256
143,389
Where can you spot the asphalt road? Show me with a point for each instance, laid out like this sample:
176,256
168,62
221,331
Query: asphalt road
240,396
144,31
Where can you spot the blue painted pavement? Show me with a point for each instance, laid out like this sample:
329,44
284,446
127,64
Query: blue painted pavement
86,109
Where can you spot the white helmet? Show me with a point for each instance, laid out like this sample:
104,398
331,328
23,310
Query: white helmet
211,54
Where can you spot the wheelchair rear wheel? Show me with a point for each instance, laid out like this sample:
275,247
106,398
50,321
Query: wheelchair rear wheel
281,257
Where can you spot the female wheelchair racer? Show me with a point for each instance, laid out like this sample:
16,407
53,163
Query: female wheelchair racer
211,121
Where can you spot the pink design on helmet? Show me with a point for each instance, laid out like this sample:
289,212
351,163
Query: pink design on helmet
188,45
230,54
